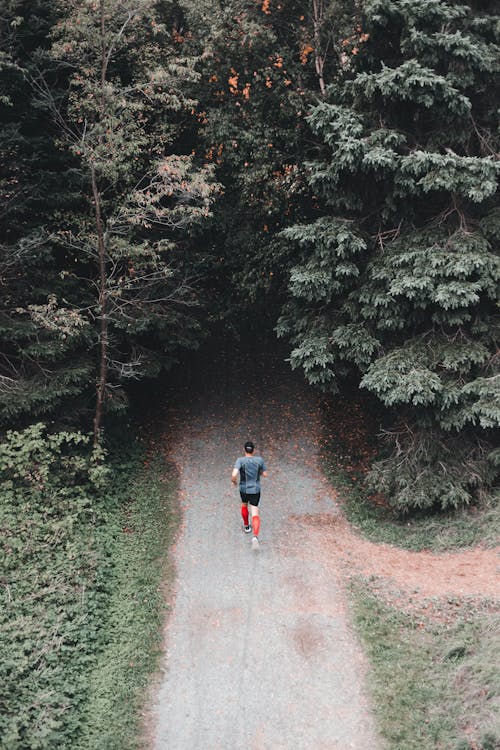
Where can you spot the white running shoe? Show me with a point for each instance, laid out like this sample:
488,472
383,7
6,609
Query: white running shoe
255,542
247,529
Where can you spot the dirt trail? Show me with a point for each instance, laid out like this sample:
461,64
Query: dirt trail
471,572
260,654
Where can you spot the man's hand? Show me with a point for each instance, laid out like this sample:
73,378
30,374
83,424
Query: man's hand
234,476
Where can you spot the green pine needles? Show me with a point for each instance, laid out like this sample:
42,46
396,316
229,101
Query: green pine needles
398,279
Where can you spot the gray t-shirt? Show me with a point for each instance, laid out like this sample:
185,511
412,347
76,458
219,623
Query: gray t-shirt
250,468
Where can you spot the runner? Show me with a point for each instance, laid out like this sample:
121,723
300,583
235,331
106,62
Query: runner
250,468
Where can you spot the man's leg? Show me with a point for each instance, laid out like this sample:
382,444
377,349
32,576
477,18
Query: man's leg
254,510
244,515
255,519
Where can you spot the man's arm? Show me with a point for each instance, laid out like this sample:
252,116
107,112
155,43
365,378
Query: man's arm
234,476
264,473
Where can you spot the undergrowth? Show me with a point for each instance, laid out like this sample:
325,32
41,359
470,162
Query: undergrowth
83,550
348,447
433,686
148,521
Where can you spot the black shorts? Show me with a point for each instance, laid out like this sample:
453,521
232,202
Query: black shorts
252,499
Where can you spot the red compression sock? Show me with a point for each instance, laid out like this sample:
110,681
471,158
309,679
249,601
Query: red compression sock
244,514
256,525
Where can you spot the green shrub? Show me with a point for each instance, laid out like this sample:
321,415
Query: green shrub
53,590
348,450
84,550
428,470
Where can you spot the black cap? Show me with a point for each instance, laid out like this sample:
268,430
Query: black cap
249,446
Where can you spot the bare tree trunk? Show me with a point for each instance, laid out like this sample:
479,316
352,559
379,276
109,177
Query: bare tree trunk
319,56
101,254
104,62
103,368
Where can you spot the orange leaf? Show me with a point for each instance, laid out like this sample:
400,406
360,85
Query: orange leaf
305,52
233,83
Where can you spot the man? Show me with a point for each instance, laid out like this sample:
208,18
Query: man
250,468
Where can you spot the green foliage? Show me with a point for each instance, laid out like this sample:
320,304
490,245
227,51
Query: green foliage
258,80
429,469
406,144
414,83
83,556
123,122
53,590
97,115
42,364
349,446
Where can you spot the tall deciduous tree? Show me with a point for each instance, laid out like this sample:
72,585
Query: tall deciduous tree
398,276
258,79
37,181
121,120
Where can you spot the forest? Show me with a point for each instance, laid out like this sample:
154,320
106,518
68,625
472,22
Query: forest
319,172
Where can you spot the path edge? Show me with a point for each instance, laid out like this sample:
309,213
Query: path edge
148,721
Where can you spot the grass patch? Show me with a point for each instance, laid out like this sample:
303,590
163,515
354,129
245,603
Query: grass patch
145,530
346,454
432,686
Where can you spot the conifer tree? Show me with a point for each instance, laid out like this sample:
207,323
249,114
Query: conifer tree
397,277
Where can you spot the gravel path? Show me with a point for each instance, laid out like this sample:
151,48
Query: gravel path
259,651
